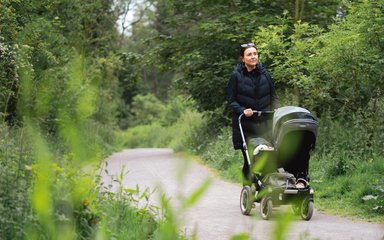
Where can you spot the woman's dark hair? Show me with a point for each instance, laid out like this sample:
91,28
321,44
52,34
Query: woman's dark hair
245,46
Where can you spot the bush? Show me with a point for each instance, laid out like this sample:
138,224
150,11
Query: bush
178,136
173,125
8,80
16,181
221,155
145,110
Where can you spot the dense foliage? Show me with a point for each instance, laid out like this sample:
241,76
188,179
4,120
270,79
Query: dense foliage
57,113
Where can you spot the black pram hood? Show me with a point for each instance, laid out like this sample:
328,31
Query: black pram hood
287,113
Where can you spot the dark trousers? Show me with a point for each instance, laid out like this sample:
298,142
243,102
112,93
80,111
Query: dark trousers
247,176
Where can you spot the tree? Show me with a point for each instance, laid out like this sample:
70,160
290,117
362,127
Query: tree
52,31
347,69
200,39
288,57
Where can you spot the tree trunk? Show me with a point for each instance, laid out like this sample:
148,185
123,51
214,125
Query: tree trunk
299,10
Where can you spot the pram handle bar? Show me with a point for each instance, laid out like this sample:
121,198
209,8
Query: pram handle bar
259,114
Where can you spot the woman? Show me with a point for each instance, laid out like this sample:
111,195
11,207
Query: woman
250,88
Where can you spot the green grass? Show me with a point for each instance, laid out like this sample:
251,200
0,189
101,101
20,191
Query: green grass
344,194
119,215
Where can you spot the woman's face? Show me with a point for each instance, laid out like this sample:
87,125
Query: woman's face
250,57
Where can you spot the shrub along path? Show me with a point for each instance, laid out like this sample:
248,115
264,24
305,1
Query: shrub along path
216,215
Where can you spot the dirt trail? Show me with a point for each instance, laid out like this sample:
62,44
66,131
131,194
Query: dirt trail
217,214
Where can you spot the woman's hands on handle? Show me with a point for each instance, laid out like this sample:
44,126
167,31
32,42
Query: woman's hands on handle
248,112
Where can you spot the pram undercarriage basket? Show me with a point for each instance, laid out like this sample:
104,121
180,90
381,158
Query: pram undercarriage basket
280,166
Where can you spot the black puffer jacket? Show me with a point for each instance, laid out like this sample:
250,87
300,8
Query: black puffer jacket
253,90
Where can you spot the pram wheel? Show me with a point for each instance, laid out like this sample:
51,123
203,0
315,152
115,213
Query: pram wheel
306,209
246,200
266,207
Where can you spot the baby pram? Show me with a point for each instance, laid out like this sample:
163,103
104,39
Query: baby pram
280,166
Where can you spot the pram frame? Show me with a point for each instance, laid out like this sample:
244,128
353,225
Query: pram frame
270,196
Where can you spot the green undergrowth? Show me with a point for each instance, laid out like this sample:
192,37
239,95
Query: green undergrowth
177,136
73,203
128,213
358,194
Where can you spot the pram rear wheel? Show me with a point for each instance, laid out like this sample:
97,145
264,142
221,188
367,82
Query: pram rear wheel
306,209
246,200
266,208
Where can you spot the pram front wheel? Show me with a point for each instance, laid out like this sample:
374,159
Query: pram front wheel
246,200
306,209
266,207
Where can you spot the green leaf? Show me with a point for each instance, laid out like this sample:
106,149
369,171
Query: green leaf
197,194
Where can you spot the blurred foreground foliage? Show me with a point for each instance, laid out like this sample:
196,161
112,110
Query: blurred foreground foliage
58,114
50,180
